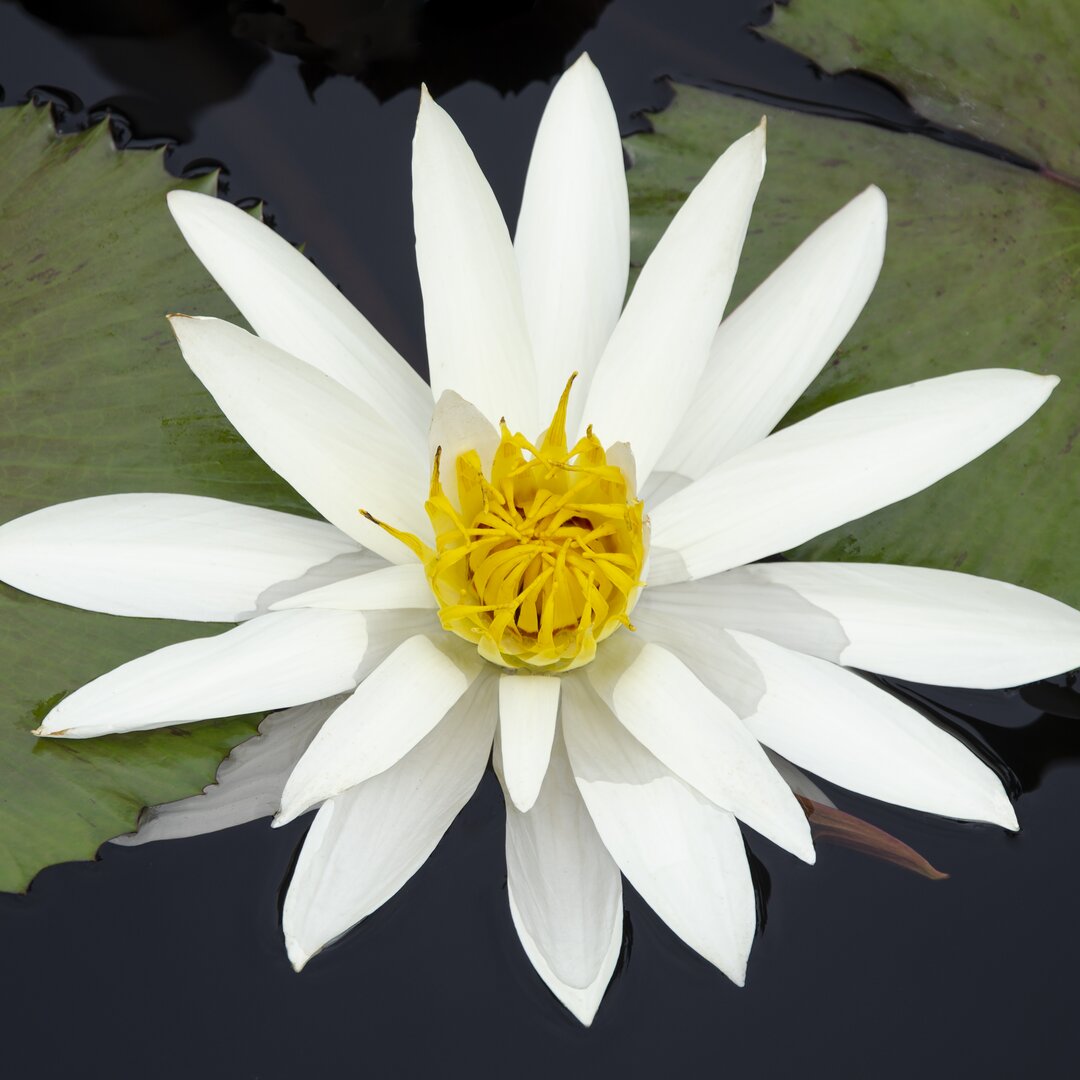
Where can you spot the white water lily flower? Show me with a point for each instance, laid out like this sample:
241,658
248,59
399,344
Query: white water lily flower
486,593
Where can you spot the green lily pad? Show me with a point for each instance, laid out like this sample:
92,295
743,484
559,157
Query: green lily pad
999,69
982,269
95,399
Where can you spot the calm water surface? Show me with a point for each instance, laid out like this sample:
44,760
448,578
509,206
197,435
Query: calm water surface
166,961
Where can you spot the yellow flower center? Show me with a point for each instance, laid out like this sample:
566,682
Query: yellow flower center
542,559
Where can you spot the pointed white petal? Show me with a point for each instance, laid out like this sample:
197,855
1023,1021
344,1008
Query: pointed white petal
711,654
839,464
332,447
284,658
760,682
289,303
767,351
695,613
528,709
355,564
798,781
681,852
932,626
564,888
646,378
391,711
403,586
164,556
573,235
458,426
667,708
248,783
477,341
845,729
582,1002
661,486
366,843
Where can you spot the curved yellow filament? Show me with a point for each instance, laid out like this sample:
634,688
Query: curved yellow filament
538,562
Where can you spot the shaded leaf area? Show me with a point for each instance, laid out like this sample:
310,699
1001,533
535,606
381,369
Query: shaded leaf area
982,269
999,69
95,399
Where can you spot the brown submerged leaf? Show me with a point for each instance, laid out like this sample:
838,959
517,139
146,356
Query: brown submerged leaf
847,830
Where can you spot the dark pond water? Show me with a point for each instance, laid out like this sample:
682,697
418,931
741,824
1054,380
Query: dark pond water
166,961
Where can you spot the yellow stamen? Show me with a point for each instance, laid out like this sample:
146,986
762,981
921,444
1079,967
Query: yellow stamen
541,560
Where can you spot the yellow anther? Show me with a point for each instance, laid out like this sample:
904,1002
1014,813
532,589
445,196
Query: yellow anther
542,559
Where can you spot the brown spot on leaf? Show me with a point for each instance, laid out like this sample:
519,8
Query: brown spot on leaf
1070,439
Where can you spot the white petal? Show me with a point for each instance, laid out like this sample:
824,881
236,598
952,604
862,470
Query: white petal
564,888
582,1002
477,341
646,378
681,852
661,486
391,711
707,650
281,659
248,784
798,781
845,729
166,556
767,351
761,685
389,587
289,303
839,464
666,707
528,709
573,236
332,447
366,843
621,456
697,612
931,626
458,426
250,780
